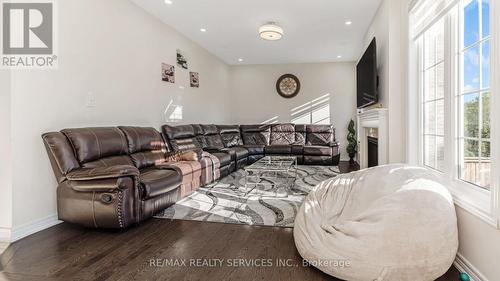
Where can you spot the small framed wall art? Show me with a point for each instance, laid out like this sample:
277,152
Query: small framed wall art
167,73
182,60
194,79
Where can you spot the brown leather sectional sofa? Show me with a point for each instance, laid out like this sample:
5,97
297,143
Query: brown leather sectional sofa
118,176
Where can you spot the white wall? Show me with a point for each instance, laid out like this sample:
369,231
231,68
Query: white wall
479,244
255,100
113,49
389,26
6,163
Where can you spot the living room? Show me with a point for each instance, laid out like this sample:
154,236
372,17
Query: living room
168,139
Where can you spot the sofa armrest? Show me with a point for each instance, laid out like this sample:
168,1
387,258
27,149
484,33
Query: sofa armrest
99,185
113,172
334,144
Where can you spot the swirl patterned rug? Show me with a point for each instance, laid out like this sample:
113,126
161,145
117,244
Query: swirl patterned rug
225,200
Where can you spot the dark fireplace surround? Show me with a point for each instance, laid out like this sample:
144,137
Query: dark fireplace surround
372,152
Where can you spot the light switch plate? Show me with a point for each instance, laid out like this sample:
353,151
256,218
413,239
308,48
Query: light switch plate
90,100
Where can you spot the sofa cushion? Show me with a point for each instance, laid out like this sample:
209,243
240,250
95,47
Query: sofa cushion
211,136
255,149
91,144
236,153
318,160
278,149
318,150
158,181
181,137
282,134
185,144
198,132
224,158
319,135
300,134
145,145
209,129
256,134
61,154
178,132
142,139
297,149
230,135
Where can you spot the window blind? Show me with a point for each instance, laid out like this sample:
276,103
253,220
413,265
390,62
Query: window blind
423,13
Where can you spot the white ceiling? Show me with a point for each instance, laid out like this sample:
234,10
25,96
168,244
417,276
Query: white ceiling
315,30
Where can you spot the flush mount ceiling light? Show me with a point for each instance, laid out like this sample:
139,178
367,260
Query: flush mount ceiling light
271,31
348,22
168,2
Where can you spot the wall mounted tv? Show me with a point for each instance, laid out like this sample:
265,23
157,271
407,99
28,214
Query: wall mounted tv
367,77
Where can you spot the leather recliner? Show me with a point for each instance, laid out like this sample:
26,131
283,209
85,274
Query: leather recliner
115,177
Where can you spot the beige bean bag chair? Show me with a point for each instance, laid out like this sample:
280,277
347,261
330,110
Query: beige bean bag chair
386,223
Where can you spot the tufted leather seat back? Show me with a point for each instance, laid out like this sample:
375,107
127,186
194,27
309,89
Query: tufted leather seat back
99,147
319,134
282,134
61,155
145,146
181,138
211,136
256,134
198,132
230,135
300,134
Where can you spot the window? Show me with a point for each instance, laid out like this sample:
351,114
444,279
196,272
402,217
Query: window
316,111
474,141
451,79
433,96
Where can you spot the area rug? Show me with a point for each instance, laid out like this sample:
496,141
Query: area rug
228,201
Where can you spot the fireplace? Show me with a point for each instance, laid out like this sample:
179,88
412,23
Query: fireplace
373,125
372,152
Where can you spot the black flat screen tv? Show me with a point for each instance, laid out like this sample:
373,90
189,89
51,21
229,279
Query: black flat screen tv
367,77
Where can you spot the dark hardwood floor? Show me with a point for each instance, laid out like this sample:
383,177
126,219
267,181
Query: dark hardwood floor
68,252
345,167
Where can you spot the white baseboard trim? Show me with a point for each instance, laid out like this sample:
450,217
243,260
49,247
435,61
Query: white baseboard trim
4,235
32,227
463,265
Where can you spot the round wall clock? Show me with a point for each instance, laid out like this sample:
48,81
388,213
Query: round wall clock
288,86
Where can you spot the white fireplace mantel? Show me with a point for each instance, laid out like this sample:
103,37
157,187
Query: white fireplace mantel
376,118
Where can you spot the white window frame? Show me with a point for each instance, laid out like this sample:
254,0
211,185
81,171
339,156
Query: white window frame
478,201
422,102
